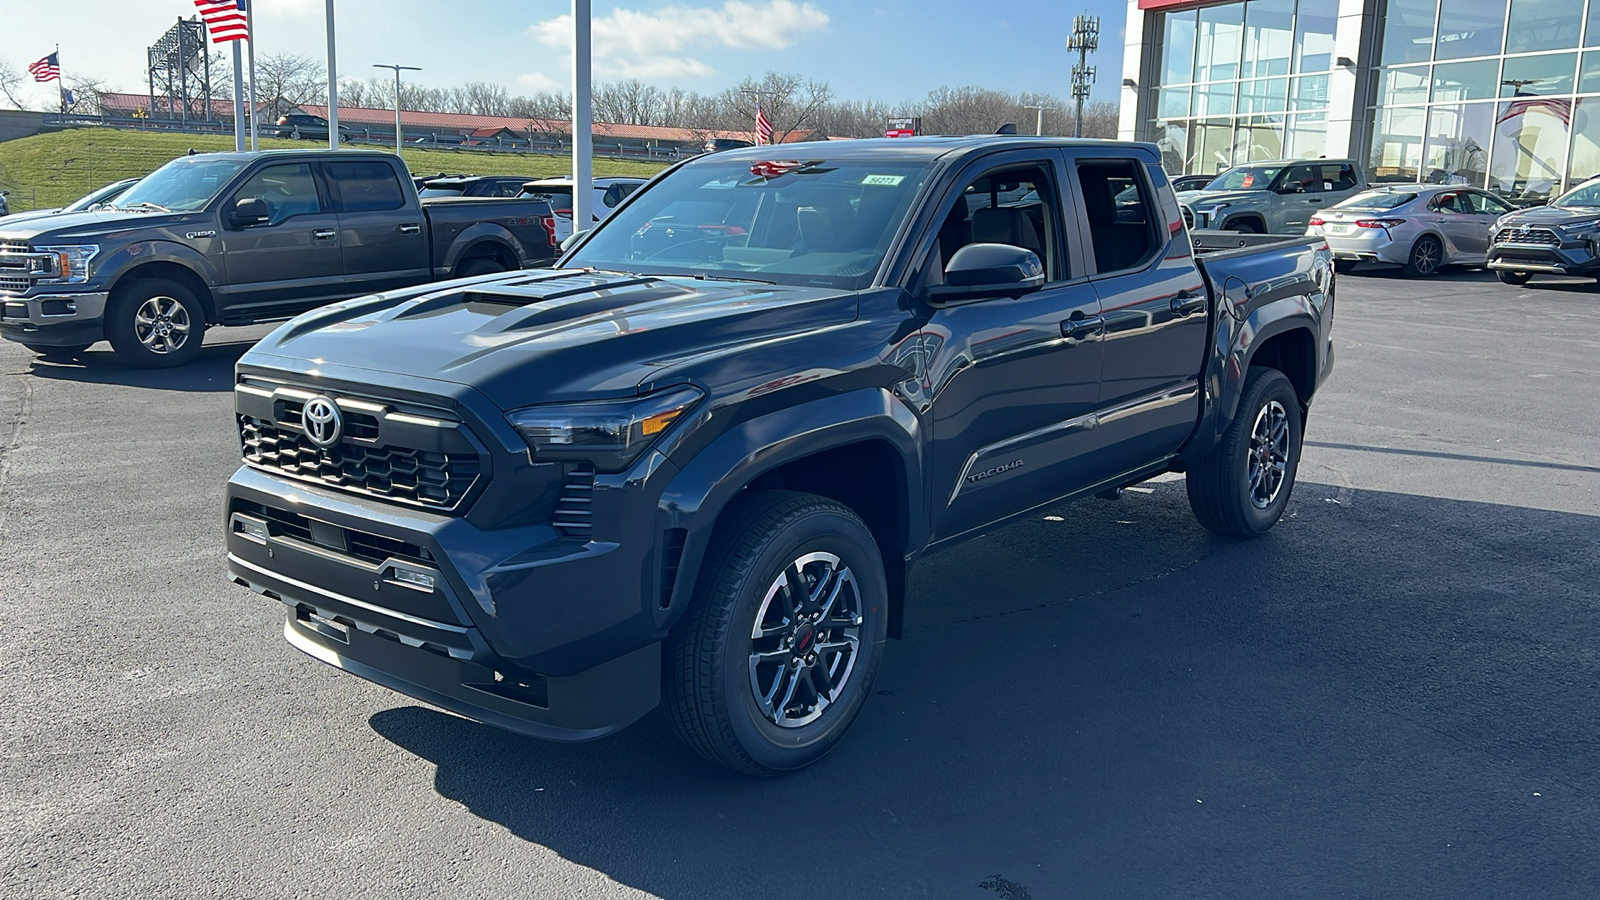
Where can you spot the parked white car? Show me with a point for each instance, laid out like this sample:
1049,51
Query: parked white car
608,193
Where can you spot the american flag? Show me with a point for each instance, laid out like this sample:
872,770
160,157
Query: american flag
47,69
1555,106
225,19
763,127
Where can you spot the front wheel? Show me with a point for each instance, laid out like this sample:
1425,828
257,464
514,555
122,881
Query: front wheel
1513,278
1244,226
780,646
154,323
1241,488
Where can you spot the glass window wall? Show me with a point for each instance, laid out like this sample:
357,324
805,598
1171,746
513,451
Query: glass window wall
1408,31
1543,25
1470,28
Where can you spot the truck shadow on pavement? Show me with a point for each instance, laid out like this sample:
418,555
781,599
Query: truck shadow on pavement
1106,701
211,370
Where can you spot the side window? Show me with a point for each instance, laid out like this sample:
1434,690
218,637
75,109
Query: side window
1488,205
1306,178
1447,202
288,190
1019,206
1121,212
1339,178
366,186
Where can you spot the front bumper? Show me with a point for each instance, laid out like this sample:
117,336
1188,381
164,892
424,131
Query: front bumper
53,320
520,628
1571,256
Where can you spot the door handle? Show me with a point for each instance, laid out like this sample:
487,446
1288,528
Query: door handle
324,234
1187,304
1083,329
410,229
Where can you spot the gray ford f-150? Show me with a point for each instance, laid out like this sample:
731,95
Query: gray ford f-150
235,238
697,462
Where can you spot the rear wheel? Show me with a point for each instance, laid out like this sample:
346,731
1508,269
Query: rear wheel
1241,488
154,323
1515,278
480,265
1344,266
779,648
1426,256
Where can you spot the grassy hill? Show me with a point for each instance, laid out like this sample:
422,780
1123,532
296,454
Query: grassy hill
49,170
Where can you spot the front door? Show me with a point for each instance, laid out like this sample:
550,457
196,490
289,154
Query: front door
1486,211
381,230
291,261
1451,214
1012,381
1155,308
1300,193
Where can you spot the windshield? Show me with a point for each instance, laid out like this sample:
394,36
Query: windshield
784,221
1377,200
186,183
1245,178
1584,195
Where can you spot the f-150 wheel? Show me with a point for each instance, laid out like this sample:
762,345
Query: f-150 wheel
1516,278
154,323
1241,488
775,657
478,265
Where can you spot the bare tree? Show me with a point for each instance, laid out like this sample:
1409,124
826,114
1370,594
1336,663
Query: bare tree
790,102
354,92
286,81
12,83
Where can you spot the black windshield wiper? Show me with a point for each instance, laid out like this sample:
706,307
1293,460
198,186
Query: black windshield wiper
145,204
702,276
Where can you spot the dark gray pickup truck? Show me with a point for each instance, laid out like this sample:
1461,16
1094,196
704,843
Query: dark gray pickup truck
236,238
697,463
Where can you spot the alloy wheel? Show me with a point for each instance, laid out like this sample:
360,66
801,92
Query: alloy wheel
1425,257
1268,458
162,325
806,639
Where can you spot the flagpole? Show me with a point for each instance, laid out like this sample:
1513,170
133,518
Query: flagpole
250,25
238,99
61,83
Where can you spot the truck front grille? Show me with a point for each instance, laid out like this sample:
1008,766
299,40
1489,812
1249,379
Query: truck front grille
1528,236
11,281
417,477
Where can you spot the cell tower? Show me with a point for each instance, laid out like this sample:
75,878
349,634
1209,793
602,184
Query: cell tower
180,73
1085,39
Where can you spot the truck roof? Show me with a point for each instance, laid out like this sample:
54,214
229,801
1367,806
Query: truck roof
247,155
918,147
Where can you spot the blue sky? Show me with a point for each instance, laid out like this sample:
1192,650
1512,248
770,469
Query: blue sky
893,50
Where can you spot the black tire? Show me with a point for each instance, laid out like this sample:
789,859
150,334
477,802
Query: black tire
1223,492
58,354
1244,226
154,323
478,265
1513,278
1345,266
1426,259
712,694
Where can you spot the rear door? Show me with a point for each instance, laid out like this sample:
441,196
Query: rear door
290,262
381,228
1339,182
1155,307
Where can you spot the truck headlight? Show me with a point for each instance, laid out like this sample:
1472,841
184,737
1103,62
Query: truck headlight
67,264
609,433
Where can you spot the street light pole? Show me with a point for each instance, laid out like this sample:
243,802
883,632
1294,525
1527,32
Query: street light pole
397,71
1038,123
333,87
582,121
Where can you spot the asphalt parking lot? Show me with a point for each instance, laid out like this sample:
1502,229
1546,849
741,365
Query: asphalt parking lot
1394,694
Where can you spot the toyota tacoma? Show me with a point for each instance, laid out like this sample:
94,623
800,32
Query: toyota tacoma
694,464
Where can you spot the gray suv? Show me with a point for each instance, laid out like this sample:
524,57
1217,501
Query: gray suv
1272,197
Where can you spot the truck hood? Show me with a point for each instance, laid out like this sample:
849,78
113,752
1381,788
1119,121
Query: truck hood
1199,199
78,226
1550,215
522,338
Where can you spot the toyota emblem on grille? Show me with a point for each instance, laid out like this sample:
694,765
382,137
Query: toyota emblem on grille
323,421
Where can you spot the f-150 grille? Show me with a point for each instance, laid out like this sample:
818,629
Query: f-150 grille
1527,236
11,281
435,480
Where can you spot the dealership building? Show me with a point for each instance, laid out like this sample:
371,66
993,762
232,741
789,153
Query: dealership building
1503,94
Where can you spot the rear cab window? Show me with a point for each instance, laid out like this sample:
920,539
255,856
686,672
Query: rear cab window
1122,214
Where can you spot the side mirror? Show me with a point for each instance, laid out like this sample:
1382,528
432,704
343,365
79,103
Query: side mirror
1295,188
248,211
988,270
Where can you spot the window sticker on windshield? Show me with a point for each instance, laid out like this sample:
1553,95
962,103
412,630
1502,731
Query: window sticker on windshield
1248,180
884,180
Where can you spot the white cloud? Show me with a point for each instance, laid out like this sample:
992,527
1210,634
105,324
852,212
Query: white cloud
631,43
539,81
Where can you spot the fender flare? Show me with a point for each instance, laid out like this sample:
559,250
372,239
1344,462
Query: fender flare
129,258
476,235
707,483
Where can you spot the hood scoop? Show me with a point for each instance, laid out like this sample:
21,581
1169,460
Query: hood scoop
547,299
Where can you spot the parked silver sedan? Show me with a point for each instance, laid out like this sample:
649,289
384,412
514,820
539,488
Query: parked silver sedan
1420,227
